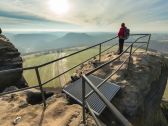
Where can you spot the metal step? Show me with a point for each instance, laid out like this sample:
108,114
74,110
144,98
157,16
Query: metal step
74,90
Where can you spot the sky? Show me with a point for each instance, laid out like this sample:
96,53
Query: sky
84,15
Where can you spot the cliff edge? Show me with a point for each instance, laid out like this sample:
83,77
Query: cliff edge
142,83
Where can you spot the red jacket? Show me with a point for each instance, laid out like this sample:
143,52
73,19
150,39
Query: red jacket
121,33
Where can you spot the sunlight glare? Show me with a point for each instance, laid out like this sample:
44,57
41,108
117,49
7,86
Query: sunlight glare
60,7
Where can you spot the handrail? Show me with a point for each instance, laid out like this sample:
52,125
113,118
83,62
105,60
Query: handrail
76,52
112,108
77,65
107,78
84,62
110,74
41,65
120,117
36,67
94,70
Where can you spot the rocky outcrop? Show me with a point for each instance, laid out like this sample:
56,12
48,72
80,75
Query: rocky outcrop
10,59
142,87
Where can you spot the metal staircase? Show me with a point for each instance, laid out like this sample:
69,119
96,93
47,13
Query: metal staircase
108,89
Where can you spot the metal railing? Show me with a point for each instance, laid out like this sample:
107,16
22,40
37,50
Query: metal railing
95,89
36,68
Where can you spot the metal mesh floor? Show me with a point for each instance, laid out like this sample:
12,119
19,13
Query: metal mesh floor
74,90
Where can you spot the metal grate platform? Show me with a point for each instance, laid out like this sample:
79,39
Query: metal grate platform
74,90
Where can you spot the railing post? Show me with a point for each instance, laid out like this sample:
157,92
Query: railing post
83,100
148,43
100,52
130,54
41,88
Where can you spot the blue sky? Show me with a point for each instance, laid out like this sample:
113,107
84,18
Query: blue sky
84,15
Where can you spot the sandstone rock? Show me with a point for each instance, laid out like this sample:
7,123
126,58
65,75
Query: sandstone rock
146,80
142,88
9,59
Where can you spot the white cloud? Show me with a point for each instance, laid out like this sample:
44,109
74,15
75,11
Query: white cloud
149,15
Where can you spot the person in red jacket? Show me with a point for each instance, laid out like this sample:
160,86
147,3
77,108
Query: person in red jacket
121,35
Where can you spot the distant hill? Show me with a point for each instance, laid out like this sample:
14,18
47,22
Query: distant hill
33,42
40,37
74,39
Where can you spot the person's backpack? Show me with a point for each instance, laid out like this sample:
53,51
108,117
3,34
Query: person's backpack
127,33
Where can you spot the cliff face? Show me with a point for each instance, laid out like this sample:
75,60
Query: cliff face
9,59
154,115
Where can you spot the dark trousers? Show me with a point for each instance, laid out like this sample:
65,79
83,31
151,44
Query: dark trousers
121,44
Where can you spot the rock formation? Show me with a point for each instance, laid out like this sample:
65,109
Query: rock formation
9,59
142,87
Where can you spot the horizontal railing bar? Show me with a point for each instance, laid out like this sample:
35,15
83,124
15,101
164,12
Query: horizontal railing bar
139,34
34,67
68,70
74,67
129,124
52,78
112,108
104,81
28,68
22,89
93,115
94,70
38,66
76,52
136,42
17,69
